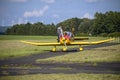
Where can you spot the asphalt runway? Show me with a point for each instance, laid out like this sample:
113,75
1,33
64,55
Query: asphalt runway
13,65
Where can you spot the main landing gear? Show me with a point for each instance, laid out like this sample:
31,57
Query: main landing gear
54,49
81,49
65,48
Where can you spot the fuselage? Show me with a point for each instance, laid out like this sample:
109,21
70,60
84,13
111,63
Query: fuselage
65,40
64,37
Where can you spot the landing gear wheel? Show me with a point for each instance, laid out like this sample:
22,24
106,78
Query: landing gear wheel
81,49
54,50
64,49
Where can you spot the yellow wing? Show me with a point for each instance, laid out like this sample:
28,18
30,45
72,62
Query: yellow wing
42,44
71,43
89,43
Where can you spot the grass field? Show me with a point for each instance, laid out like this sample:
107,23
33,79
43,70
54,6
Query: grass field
21,37
63,77
10,46
103,54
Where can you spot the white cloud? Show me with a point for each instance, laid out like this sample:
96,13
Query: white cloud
48,1
18,0
91,1
55,16
36,13
87,15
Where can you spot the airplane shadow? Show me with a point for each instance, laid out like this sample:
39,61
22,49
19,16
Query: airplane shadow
69,50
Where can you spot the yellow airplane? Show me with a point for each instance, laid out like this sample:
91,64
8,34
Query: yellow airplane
66,39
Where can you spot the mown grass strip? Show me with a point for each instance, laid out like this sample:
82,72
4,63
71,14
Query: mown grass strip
104,54
82,76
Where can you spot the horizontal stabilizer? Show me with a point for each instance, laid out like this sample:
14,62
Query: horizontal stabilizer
80,38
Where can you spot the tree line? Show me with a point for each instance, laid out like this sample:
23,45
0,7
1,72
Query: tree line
104,24
32,29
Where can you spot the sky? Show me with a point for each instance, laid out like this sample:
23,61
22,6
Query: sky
52,11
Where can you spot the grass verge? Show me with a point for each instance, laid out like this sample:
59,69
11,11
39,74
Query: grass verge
104,54
63,77
14,48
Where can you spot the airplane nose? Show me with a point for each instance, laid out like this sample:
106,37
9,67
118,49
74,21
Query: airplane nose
63,39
